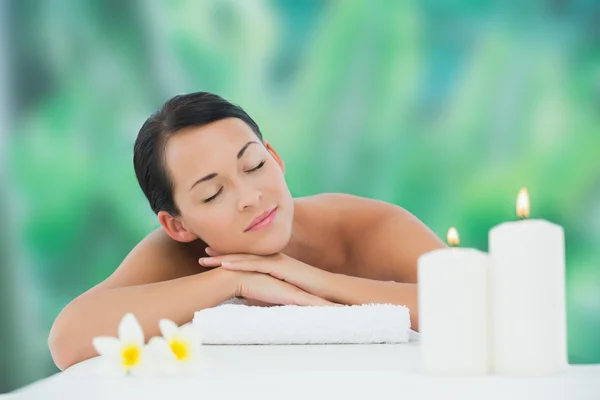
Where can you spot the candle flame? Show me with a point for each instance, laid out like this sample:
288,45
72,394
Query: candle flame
452,237
523,204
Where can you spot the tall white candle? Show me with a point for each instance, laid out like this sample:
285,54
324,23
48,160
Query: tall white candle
453,311
527,295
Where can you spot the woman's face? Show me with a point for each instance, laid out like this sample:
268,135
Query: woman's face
223,179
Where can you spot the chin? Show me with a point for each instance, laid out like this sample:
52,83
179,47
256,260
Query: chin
266,248
271,244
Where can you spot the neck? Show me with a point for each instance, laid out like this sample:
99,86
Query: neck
299,240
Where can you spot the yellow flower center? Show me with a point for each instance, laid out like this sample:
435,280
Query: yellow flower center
180,349
130,355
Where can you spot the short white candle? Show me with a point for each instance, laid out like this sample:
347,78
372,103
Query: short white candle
527,295
453,310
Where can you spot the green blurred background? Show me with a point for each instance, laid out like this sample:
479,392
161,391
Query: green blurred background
445,108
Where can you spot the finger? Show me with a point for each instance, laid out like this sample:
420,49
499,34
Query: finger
209,262
218,260
261,265
236,266
247,265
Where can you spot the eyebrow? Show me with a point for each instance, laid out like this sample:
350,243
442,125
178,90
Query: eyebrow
214,174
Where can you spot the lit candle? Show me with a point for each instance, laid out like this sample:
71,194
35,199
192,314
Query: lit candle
527,288
453,310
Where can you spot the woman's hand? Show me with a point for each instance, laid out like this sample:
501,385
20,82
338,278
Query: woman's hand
280,266
262,289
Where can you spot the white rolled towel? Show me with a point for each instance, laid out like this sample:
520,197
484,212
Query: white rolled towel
235,323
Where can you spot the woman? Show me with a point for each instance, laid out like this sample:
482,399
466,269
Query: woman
231,228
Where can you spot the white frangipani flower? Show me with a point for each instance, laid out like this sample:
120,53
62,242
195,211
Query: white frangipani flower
178,349
126,354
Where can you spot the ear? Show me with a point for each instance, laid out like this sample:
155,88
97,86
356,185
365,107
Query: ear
174,228
275,155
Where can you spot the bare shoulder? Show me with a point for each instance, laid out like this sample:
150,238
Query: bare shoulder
348,211
344,201
361,214
368,232
336,217
155,258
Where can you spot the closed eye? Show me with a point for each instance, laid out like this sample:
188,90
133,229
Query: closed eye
259,166
213,197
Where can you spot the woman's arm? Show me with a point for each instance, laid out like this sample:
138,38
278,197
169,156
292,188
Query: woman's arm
344,289
97,313
335,288
384,243
160,278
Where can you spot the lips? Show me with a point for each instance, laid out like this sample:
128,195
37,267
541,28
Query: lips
260,218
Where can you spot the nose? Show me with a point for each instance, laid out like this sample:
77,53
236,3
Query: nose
249,197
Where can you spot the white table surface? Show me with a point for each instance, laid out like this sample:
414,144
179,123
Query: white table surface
315,372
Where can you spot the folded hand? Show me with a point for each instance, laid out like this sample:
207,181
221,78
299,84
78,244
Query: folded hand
280,266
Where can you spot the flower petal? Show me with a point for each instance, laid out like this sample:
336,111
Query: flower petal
189,333
107,346
162,356
159,349
168,328
130,330
145,367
